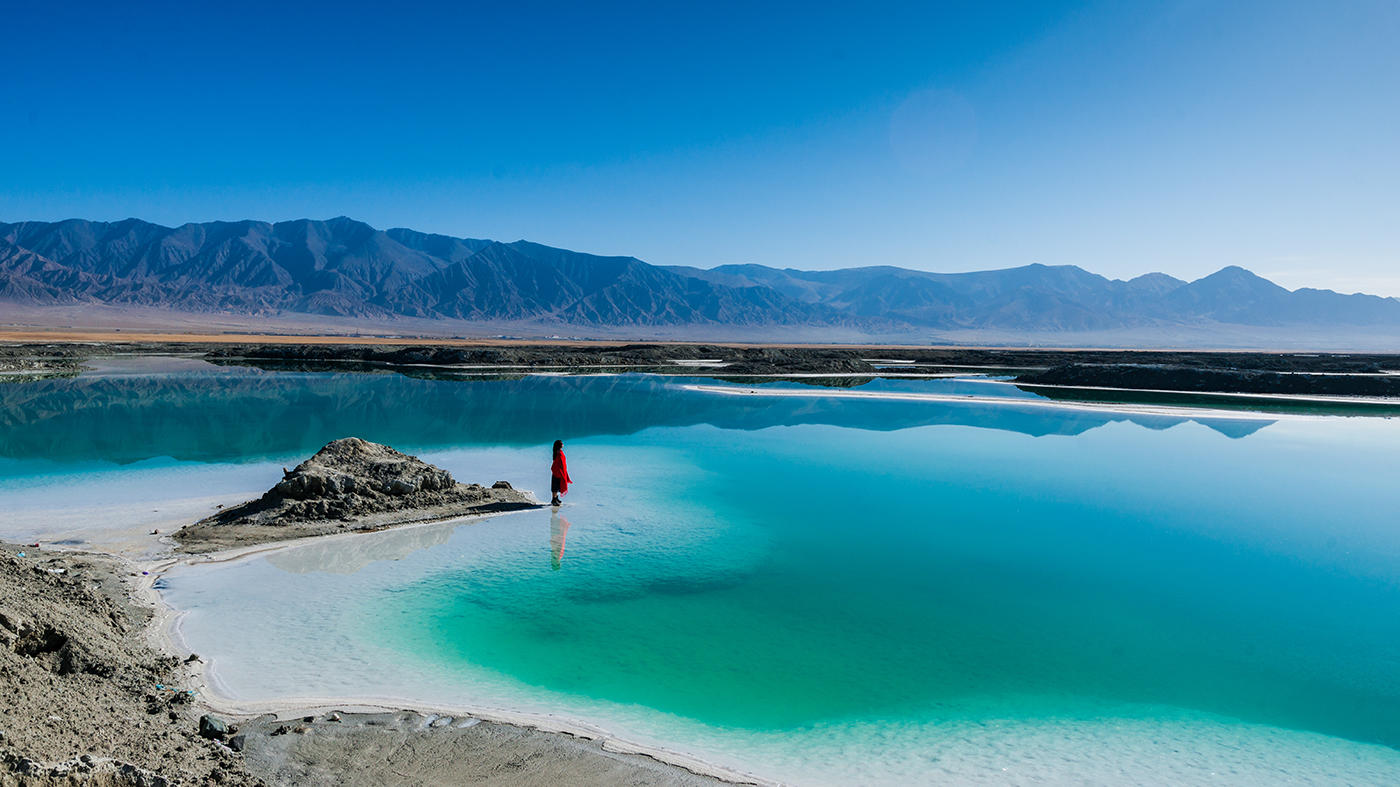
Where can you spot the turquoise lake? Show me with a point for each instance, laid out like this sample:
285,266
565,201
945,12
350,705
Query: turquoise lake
811,588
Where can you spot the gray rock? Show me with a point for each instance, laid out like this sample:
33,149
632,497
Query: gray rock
237,742
213,727
502,485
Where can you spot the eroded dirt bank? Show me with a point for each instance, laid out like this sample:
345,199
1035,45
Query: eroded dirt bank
85,699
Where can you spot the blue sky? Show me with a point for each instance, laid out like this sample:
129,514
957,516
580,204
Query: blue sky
1124,137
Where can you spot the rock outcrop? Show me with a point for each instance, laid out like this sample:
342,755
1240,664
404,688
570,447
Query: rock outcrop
351,484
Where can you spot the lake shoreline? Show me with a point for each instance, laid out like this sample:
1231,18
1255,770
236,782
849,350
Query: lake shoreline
342,740
332,744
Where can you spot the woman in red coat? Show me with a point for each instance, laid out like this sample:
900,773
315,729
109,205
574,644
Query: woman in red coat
559,474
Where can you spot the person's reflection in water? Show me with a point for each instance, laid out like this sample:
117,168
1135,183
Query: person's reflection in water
558,528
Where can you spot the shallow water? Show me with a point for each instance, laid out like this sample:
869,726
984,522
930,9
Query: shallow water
823,590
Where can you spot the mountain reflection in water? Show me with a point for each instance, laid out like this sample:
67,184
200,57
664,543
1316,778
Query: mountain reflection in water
241,415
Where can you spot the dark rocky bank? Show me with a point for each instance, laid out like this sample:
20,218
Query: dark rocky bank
1215,380
1217,371
648,357
790,359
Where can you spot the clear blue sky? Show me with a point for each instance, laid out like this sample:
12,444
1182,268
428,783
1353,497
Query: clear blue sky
1124,136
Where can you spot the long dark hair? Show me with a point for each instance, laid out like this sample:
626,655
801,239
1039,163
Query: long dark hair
558,446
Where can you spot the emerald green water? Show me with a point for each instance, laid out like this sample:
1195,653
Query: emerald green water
839,573
817,589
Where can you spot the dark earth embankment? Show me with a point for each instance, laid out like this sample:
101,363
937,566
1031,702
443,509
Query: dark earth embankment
1202,380
651,357
1236,372
760,360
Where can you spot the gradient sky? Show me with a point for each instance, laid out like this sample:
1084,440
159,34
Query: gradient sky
1123,137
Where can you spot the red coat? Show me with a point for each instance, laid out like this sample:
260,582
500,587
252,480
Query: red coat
560,470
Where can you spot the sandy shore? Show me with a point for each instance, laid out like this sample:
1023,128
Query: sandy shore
96,691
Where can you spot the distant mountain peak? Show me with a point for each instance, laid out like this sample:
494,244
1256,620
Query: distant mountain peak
1234,275
1156,282
1235,272
1156,276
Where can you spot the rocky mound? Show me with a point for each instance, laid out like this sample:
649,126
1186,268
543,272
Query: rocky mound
351,484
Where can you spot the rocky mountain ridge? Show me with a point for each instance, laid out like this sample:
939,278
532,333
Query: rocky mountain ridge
347,269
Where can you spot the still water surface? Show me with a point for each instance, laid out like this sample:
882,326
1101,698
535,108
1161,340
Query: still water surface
818,589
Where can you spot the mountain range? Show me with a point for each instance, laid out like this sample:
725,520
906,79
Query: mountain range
347,269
